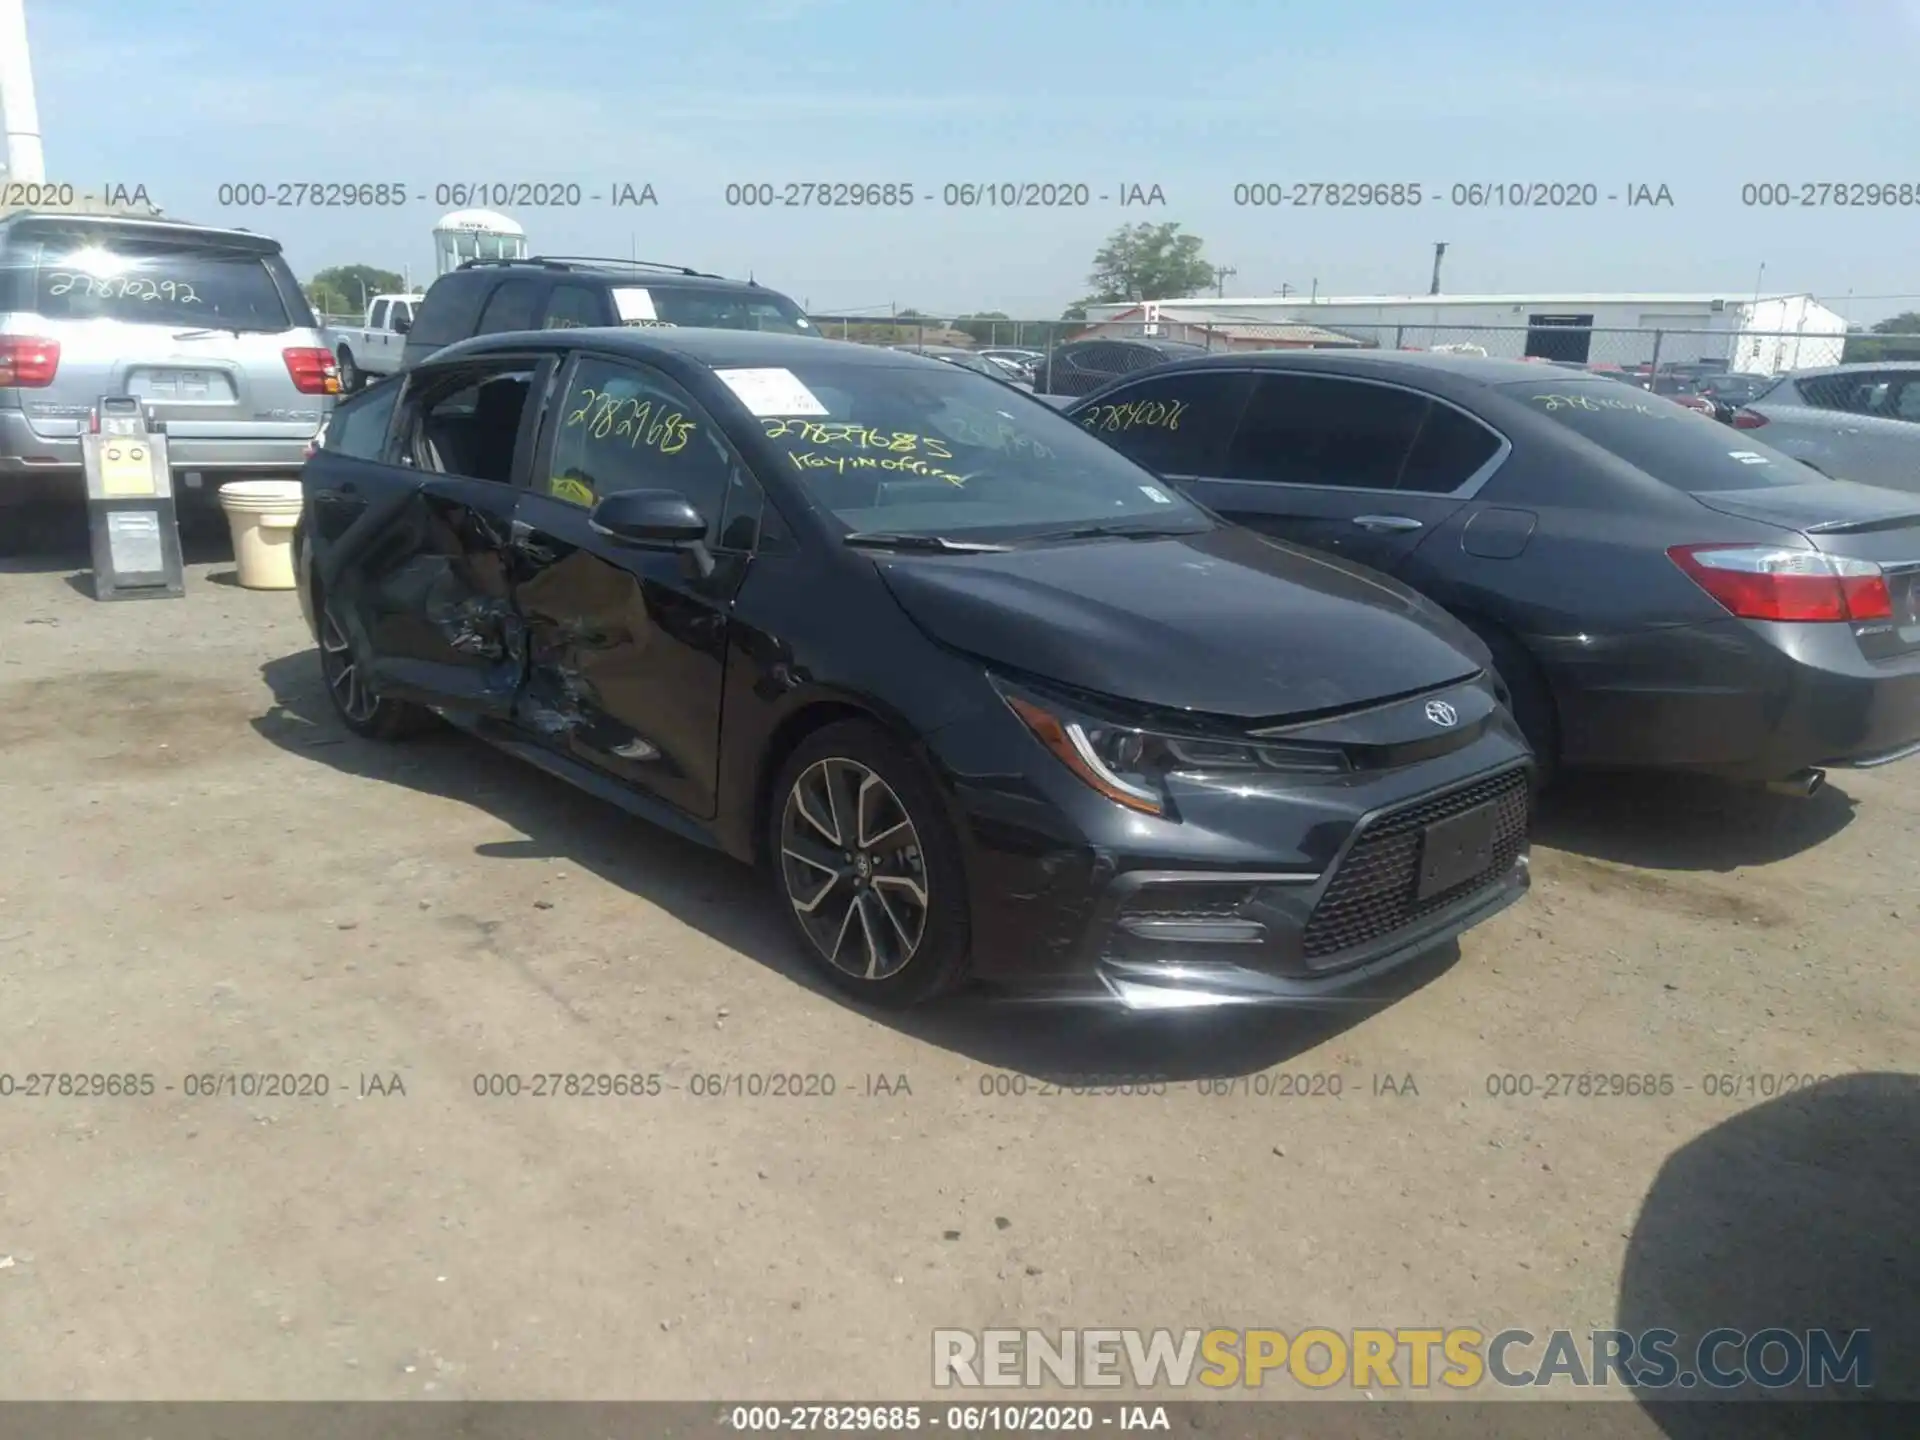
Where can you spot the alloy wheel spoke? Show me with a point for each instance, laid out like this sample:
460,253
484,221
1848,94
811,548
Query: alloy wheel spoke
872,940
908,940
807,805
827,883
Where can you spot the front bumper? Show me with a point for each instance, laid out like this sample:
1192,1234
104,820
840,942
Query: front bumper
1297,894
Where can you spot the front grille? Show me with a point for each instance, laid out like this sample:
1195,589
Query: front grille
1372,893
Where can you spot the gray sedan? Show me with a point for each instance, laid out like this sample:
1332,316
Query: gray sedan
1853,422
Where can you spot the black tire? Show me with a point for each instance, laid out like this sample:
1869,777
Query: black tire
360,710
1531,700
351,378
857,925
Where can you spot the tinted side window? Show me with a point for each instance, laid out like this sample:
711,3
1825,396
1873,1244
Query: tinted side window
511,308
451,310
379,317
1906,400
1448,451
359,427
572,306
624,427
1175,425
1315,430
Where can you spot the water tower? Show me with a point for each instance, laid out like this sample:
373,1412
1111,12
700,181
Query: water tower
476,235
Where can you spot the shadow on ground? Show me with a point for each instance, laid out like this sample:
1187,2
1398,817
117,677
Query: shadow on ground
1794,1215
730,903
1684,822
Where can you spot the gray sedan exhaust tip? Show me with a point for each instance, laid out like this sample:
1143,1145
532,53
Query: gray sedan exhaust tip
1801,785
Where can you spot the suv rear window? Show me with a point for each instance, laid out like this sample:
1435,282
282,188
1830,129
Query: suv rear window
1684,448
694,305
98,272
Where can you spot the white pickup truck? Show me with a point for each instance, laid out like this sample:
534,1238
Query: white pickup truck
374,348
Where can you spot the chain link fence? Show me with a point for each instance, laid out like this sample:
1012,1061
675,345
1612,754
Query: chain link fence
1673,359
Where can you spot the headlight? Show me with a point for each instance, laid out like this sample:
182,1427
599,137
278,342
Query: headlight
1130,765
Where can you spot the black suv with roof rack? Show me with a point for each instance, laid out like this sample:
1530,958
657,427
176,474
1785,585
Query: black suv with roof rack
557,292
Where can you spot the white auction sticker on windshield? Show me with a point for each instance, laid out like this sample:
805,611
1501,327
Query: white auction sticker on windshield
1156,494
770,393
632,303
1746,457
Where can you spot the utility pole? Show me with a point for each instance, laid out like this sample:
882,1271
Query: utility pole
1439,254
1220,274
1285,289
24,161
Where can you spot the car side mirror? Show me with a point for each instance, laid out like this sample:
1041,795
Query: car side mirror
402,324
654,519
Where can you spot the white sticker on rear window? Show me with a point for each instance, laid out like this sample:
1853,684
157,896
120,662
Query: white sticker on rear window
772,392
1747,457
632,303
1156,494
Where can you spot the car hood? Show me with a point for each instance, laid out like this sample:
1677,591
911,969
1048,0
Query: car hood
1225,622
1820,506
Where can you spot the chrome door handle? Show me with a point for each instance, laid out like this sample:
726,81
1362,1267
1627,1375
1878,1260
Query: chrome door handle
1389,523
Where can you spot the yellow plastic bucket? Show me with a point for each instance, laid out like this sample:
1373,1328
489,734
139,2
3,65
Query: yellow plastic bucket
262,514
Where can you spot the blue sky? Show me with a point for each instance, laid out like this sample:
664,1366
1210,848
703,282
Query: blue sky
1191,95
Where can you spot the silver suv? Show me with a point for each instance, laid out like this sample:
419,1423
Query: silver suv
1853,422
208,327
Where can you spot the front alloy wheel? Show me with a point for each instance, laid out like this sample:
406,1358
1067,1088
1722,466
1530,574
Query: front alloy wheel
854,869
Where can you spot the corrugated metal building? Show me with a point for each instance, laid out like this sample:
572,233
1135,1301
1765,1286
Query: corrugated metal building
1762,334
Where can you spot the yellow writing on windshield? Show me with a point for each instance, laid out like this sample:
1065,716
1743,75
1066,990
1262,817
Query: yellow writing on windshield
638,422
1601,407
1136,415
863,437
112,287
904,464
998,436
565,487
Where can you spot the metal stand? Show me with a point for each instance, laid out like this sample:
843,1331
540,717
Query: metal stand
131,522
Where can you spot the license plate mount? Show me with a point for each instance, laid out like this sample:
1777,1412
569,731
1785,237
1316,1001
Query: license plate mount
1457,849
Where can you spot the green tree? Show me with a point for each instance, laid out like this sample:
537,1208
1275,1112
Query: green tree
1864,347
1148,262
981,329
338,290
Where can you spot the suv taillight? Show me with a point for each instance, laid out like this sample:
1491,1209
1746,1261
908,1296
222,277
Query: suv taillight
1744,419
27,362
314,370
1758,582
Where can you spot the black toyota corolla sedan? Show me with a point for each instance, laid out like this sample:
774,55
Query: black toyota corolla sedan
985,698
1658,591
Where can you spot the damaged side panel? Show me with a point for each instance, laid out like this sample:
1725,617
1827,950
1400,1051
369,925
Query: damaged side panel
436,602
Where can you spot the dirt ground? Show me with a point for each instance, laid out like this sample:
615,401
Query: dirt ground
205,876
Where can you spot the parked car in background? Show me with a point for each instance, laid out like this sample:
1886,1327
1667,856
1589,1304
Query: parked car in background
1082,366
996,702
1853,422
375,346
1023,360
1729,392
1657,590
207,327
548,292
971,360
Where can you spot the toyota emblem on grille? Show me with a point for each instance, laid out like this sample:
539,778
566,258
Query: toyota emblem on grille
1441,713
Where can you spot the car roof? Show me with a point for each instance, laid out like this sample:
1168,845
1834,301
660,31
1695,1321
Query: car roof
1472,369
615,272
1859,367
713,348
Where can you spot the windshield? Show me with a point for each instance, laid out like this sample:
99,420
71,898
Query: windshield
683,305
96,273
1685,448
928,449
